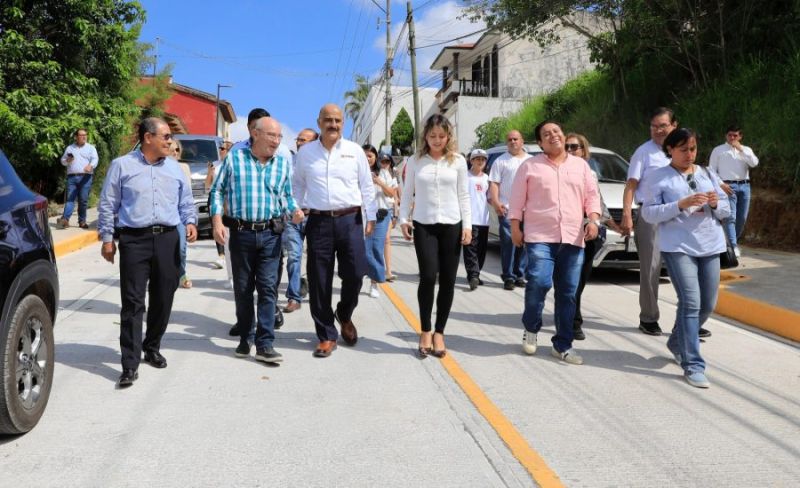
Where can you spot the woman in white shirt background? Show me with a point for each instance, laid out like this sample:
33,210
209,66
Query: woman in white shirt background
687,203
435,186
375,242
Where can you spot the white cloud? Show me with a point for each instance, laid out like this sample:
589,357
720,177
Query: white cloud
238,131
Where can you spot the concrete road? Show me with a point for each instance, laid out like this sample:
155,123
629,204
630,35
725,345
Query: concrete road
375,415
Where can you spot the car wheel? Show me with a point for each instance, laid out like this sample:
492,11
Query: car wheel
26,366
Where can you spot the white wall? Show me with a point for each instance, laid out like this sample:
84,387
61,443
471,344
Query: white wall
470,112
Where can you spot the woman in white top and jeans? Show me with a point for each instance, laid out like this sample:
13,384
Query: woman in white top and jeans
384,195
687,203
436,187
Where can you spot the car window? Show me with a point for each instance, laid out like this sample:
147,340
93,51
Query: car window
609,167
198,151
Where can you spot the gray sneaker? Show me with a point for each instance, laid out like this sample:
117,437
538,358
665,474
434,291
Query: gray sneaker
529,343
268,355
698,380
568,356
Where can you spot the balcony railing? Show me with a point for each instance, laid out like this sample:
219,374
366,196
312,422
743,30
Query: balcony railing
454,88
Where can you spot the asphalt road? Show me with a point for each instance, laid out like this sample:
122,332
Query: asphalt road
375,415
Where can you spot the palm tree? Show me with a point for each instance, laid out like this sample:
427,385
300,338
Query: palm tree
356,97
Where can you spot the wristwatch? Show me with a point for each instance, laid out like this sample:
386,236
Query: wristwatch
595,222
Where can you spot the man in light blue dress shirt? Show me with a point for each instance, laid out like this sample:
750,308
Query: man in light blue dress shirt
150,196
80,160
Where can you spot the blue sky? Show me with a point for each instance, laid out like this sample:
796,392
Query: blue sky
291,57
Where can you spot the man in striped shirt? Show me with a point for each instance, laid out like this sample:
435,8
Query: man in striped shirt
255,183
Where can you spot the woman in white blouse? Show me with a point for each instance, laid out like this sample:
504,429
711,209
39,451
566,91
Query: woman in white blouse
435,186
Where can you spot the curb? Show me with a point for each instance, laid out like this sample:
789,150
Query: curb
764,316
74,243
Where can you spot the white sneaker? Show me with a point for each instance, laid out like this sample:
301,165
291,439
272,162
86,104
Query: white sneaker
529,343
568,356
219,263
737,252
373,291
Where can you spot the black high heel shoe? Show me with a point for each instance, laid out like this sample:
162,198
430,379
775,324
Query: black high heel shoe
423,352
436,352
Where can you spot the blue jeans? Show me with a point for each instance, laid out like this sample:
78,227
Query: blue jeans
182,245
292,238
740,205
513,260
376,266
254,262
696,281
548,265
78,186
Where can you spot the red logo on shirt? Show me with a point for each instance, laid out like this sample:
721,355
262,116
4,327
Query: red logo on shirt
479,187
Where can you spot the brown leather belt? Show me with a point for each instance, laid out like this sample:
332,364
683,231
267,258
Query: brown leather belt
335,213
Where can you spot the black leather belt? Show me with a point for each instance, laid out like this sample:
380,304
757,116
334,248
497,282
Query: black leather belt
335,213
240,224
153,229
738,182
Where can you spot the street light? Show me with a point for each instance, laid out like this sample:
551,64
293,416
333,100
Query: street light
216,126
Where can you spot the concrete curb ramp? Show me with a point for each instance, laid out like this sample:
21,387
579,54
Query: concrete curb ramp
75,243
764,316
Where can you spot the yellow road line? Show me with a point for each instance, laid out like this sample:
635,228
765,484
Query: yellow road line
525,454
71,244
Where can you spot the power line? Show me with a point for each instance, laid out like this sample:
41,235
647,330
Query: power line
339,59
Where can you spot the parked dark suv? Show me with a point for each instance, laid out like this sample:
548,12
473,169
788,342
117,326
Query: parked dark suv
28,300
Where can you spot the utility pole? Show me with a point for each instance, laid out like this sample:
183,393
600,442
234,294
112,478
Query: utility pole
388,76
413,55
155,60
216,123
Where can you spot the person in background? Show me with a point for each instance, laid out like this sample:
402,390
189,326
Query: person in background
552,192
686,203
384,195
436,189
732,162
512,259
219,263
578,145
150,196
387,168
81,160
648,157
475,252
175,153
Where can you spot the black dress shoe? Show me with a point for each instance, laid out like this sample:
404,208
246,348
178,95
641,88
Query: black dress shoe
519,283
234,331
508,284
704,332
577,333
127,377
650,328
155,359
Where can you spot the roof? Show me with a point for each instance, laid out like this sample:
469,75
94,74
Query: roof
445,56
225,107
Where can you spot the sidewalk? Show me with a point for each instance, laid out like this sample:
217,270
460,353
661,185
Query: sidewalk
73,238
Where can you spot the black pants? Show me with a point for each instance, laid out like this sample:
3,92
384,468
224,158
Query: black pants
332,239
586,271
147,263
438,248
475,252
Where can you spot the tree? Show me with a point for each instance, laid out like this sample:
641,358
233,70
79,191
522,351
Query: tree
65,65
357,97
491,132
403,132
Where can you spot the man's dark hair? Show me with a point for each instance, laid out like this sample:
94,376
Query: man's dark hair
733,128
81,129
150,124
256,114
678,138
316,134
661,111
538,128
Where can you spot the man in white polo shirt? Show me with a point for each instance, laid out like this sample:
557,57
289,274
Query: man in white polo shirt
648,156
501,177
732,162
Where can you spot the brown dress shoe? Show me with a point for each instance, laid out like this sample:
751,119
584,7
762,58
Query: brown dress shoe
83,225
64,223
324,349
291,306
349,332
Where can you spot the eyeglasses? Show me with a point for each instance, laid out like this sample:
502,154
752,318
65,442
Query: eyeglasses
166,137
660,126
573,147
271,135
691,181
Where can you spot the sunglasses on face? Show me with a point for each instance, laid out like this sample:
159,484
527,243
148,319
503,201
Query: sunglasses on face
166,137
573,147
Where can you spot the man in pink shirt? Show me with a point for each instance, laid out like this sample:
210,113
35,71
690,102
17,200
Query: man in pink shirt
553,191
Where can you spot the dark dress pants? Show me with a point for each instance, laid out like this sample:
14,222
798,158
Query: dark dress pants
475,252
332,239
586,271
148,263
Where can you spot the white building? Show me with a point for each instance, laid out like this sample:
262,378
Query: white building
494,76
370,126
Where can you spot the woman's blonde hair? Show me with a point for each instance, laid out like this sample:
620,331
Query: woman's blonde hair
583,141
441,121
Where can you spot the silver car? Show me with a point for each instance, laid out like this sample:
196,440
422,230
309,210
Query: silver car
618,251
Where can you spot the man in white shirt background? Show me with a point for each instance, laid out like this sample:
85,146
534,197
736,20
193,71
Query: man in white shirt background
501,177
648,157
81,160
732,162
333,179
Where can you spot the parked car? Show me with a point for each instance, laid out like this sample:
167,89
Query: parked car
198,152
29,302
612,170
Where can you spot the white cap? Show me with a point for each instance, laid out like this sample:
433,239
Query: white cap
478,153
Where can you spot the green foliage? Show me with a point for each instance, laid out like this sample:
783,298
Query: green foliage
65,65
403,133
491,133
